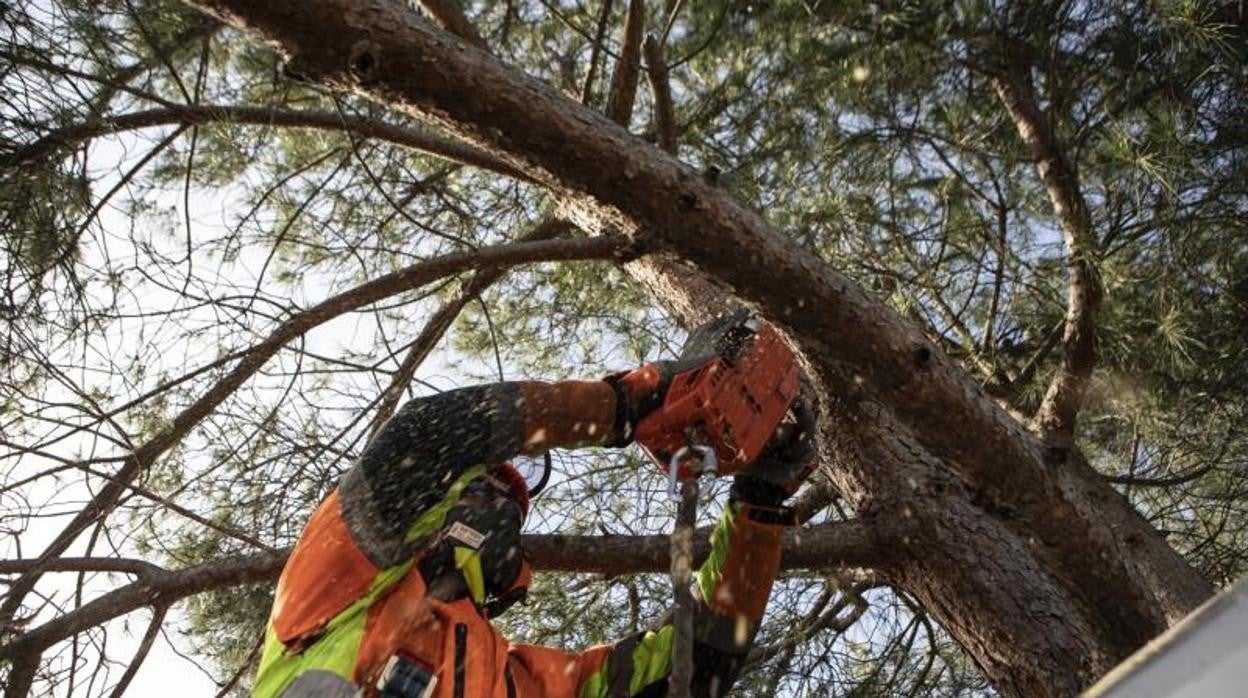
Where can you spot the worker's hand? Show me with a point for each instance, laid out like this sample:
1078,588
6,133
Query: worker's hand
638,393
642,391
784,464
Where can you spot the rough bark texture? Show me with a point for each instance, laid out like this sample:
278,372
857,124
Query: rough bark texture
1031,562
661,91
975,576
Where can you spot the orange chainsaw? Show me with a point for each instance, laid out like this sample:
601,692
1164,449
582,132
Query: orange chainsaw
718,416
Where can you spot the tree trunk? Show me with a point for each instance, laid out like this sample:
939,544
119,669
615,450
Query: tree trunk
974,576
1042,572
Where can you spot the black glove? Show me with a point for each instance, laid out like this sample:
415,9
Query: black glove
784,464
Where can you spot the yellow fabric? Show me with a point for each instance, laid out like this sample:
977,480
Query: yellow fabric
652,659
721,538
334,651
431,521
468,562
337,648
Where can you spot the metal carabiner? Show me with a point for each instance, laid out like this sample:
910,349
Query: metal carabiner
708,463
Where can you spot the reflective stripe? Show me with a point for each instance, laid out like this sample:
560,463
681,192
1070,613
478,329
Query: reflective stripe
635,663
431,521
468,562
652,659
721,538
320,684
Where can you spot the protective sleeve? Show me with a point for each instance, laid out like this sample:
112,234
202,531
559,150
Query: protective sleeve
422,454
732,589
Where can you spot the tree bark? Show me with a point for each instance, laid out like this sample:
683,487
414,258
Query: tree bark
193,115
1055,419
977,578
1033,568
623,91
839,545
450,17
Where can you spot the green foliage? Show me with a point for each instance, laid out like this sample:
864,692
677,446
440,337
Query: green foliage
868,131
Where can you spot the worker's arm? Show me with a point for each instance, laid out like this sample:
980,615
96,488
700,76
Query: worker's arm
731,590
433,444
399,490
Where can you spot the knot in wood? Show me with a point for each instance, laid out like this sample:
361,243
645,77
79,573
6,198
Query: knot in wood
922,356
1056,455
364,61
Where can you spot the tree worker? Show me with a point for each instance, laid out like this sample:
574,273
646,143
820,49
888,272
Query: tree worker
392,586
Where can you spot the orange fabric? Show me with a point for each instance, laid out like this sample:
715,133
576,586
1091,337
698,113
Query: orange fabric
410,622
566,414
749,568
642,382
547,671
326,573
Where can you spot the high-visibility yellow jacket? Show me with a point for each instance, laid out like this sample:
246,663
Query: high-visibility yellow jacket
352,599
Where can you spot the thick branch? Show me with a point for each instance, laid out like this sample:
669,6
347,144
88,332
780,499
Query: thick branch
85,564
609,180
156,590
628,67
578,153
382,287
1084,291
194,115
826,546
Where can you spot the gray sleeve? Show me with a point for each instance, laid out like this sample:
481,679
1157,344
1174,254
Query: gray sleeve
408,467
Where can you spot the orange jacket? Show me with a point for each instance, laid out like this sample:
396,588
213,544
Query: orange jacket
352,597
